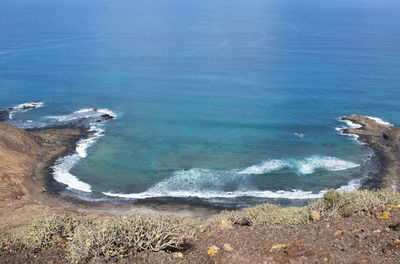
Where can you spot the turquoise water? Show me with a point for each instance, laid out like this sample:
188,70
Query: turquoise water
208,94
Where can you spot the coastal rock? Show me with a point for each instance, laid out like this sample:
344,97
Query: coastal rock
315,216
227,247
106,117
4,115
27,107
383,138
177,255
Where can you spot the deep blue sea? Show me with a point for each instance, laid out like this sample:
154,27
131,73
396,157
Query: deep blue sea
223,101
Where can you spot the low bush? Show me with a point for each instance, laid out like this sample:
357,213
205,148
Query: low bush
345,204
331,205
119,237
85,237
266,214
43,232
5,240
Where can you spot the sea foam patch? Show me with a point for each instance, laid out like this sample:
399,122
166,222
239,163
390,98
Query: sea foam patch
349,125
85,113
314,163
265,167
380,121
204,183
292,194
23,108
61,173
304,166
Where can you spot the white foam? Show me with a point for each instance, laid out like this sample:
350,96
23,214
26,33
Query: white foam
205,183
84,144
305,166
31,105
92,113
293,194
298,134
198,180
311,164
23,108
351,185
380,121
265,167
61,173
63,165
351,125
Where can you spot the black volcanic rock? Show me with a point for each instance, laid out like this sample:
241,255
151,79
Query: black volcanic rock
384,140
106,117
27,107
4,115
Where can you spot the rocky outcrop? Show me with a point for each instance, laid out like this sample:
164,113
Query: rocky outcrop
4,115
385,141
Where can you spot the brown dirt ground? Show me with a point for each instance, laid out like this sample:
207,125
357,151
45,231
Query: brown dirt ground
361,238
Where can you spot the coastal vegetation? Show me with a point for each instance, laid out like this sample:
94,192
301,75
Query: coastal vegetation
113,238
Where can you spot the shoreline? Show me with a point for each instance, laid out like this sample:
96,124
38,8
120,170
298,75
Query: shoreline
26,158
383,139
53,143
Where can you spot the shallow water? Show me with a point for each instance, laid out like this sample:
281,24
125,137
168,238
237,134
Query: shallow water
222,100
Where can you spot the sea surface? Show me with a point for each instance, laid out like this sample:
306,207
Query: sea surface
221,102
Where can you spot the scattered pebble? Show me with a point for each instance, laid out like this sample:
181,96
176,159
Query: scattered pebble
177,255
228,248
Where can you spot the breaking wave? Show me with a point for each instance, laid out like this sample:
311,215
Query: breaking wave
204,183
305,166
293,194
62,167
267,166
380,121
23,108
86,113
349,125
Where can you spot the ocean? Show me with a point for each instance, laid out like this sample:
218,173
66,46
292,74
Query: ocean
228,103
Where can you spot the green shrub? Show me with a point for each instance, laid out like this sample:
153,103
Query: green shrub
332,204
293,216
331,197
42,233
119,237
266,214
5,240
346,204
